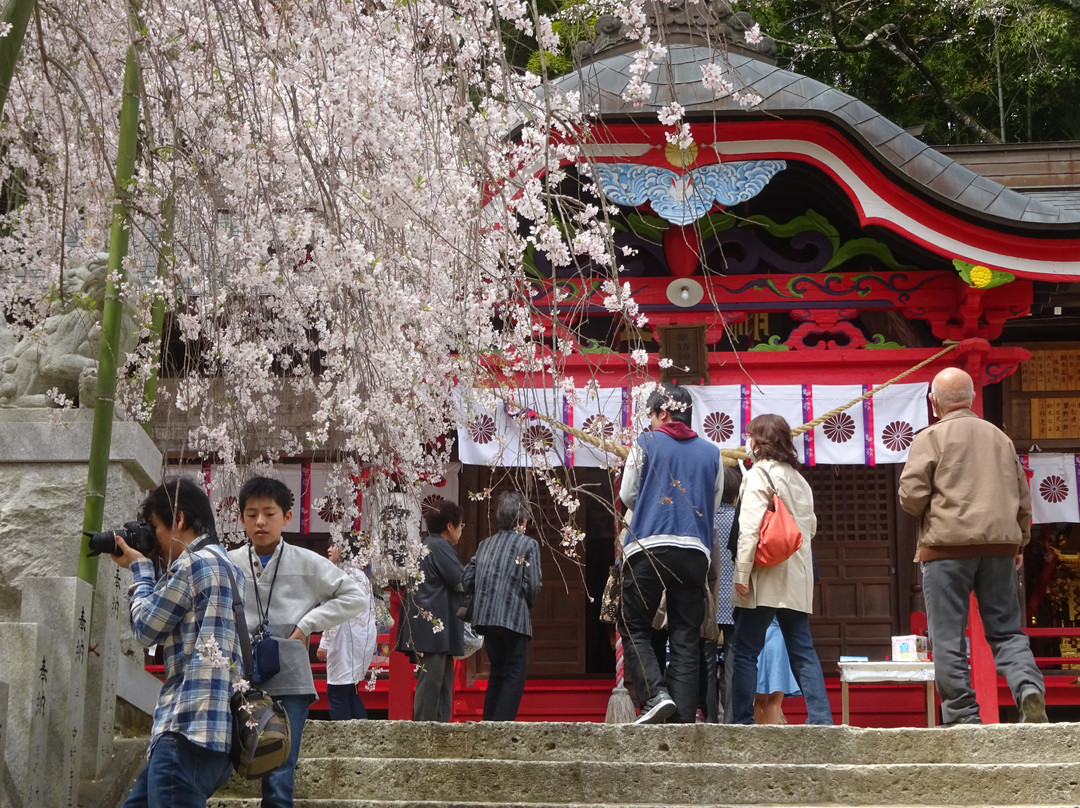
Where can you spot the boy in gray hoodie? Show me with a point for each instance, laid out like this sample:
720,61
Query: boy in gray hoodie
291,592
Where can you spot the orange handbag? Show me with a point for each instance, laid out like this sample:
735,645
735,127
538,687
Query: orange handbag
779,537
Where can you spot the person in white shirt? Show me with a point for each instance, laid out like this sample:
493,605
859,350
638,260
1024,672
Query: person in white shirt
347,649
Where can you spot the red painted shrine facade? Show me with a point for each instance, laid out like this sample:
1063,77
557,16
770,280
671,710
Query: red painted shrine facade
803,243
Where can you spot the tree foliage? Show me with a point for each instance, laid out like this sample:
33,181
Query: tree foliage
965,70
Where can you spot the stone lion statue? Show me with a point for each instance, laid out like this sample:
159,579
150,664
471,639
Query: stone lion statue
61,353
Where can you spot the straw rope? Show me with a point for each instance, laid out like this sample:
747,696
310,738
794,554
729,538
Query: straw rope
799,430
733,456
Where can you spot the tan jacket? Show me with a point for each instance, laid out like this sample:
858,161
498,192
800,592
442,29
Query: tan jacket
964,484
788,585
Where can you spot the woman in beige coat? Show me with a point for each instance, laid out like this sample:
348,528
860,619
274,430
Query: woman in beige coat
785,591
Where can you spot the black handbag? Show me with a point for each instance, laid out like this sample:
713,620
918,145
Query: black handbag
465,610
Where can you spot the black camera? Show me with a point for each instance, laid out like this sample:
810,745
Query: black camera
139,536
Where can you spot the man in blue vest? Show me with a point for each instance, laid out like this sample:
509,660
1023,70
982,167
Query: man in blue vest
673,481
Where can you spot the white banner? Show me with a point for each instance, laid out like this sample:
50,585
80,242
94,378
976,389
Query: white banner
598,413
433,493
842,438
895,415
1054,482
787,400
514,435
480,440
717,415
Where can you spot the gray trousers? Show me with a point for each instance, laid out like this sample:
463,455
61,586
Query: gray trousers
947,587
433,700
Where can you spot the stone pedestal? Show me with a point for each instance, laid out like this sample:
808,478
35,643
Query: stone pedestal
28,665
44,456
43,467
63,604
110,616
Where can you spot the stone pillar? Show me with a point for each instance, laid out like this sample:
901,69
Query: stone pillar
64,605
28,664
3,735
109,619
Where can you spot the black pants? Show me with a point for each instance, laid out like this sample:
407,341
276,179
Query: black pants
506,651
680,572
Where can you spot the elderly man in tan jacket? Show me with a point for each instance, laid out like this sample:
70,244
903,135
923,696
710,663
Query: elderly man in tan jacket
966,488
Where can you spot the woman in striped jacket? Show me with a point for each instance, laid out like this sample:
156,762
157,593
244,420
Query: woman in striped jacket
504,579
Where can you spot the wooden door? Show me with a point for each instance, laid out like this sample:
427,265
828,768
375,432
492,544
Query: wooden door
862,593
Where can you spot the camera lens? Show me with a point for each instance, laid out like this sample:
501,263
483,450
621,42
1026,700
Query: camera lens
101,542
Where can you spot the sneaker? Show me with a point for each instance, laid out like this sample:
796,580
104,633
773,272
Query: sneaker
1033,708
657,709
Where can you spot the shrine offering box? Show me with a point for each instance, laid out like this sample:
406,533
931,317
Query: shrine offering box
909,648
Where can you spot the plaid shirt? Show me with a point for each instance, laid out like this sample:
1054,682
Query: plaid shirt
186,607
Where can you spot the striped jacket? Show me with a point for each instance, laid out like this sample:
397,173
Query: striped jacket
504,577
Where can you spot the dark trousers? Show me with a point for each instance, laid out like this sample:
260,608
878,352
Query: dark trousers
434,696
681,573
709,697
506,651
728,674
345,702
179,774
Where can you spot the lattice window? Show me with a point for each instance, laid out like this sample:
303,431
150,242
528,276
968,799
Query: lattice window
853,503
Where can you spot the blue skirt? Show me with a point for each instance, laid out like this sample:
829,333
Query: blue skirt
773,668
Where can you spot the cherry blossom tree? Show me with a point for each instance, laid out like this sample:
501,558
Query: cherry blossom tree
331,200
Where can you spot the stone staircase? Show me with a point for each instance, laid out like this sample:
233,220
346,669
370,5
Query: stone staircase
393,764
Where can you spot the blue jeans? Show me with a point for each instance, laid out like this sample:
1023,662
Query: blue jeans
277,787
947,587
179,774
679,572
345,702
752,624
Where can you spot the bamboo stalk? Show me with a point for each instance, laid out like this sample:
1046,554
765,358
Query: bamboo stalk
17,13
112,315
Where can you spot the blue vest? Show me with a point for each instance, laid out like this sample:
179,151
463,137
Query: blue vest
676,494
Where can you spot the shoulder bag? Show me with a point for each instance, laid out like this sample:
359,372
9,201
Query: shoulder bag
609,601
779,537
474,641
262,737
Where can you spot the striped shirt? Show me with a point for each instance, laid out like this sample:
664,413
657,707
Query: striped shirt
504,577
185,611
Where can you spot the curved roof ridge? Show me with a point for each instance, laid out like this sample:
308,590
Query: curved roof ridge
784,94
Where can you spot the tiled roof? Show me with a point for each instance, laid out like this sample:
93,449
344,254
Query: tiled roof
785,94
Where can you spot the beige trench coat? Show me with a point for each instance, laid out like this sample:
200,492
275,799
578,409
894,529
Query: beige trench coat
790,584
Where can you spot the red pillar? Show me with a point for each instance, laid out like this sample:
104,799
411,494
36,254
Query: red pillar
983,671
400,697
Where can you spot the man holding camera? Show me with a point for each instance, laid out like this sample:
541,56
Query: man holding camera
189,612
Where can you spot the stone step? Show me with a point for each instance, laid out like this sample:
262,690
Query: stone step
252,802
364,764
600,783
706,743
